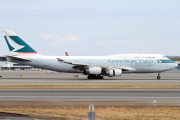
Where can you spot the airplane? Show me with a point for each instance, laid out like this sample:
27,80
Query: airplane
95,67
66,53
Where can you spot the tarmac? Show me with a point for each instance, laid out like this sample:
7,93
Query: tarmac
14,78
88,94
44,78
84,97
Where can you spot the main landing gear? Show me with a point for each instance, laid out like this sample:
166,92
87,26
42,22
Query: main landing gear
95,77
158,77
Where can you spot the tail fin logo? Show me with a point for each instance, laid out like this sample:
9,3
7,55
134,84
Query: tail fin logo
14,44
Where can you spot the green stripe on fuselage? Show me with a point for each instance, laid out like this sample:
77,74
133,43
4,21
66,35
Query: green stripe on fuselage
165,61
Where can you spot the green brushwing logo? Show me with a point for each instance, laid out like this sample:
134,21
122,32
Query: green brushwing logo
165,61
16,44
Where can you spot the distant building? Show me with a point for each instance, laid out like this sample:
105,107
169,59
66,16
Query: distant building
6,65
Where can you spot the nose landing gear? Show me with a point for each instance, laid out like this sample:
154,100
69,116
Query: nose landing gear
158,77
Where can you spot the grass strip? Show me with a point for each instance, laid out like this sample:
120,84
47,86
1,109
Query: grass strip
102,113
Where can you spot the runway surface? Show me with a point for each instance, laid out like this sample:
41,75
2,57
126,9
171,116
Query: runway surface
104,97
89,94
42,78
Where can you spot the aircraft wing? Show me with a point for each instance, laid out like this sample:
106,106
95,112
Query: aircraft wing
82,66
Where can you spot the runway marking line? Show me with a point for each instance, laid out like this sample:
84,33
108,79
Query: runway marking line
91,87
91,97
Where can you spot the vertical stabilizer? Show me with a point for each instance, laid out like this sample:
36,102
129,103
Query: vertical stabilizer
16,45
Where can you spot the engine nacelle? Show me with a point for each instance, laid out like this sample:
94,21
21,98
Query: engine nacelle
93,70
114,72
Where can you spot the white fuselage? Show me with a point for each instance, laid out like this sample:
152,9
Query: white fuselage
136,63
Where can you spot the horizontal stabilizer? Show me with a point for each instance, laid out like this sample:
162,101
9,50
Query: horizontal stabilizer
13,58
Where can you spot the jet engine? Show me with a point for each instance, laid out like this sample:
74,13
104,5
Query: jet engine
93,70
114,72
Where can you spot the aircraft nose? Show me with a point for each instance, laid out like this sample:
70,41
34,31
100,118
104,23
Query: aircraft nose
176,65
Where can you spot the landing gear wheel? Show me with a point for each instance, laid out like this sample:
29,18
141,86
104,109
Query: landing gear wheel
158,77
101,77
95,77
89,77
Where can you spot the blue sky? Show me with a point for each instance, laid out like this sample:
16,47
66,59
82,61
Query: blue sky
94,27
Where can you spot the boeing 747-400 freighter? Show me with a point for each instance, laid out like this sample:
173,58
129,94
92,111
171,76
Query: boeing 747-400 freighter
95,67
